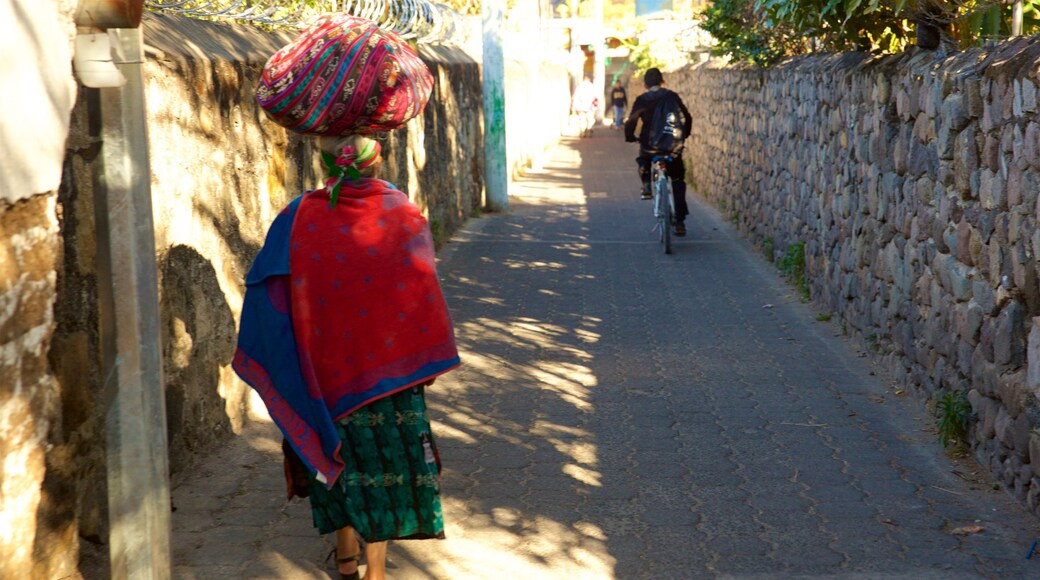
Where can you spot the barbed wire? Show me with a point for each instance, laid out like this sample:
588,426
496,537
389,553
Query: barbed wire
422,20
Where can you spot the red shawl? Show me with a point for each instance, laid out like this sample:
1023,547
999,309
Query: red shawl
368,314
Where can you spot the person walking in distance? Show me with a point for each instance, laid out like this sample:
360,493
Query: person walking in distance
343,322
656,113
619,100
584,103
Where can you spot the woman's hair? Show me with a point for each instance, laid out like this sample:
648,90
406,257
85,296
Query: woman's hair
368,158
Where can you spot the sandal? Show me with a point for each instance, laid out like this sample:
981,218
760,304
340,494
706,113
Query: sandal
355,575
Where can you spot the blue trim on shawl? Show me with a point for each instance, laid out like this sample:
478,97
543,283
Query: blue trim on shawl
266,340
348,403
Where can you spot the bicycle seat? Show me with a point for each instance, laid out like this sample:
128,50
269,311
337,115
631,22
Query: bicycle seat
665,158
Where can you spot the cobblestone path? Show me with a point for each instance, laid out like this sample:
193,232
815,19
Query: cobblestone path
626,414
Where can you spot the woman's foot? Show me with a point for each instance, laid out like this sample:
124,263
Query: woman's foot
347,543
348,566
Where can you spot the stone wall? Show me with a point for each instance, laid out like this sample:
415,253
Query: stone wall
36,541
912,182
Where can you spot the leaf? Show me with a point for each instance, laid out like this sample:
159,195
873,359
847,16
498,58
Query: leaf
334,193
329,161
967,530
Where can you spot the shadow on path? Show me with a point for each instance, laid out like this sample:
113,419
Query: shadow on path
621,413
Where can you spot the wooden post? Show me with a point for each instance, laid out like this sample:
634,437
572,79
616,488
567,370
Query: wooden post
128,304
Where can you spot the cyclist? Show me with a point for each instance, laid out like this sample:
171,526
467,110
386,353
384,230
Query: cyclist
643,111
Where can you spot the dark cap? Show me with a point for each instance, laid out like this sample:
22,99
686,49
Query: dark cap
653,77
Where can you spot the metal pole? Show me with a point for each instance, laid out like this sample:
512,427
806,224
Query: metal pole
1016,19
496,175
128,295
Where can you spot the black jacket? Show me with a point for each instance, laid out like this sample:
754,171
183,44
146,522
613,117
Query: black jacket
643,110
618,96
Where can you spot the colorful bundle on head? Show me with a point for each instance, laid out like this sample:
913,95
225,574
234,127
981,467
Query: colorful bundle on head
344,75
352,159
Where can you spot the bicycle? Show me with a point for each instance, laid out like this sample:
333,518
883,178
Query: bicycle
664,201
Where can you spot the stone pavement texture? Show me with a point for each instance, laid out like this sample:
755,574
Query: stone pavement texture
626,414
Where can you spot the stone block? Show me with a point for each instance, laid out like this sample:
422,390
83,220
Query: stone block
975,399
992,192
987,121
1002,426
988,412
1016,98
1012,156
955,111
1028,88
1014,191
970,324
1034,453
990,158
1023,273
1011,391
964,352
901,155
986,339
1031,145
1020,432
995,262
1033,358
962,249
1030,189
960,281
1033,496
965,159
944,141
924,159
1008,344
1007,99
975,247
973,91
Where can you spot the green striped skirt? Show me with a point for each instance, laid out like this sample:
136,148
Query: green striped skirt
390,489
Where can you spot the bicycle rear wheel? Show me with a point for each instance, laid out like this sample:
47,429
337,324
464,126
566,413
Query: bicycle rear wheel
664,213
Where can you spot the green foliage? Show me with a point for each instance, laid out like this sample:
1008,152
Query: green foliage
768,249
792,266
469,7
642,59
953,410
836,25
763,31
437,231
742,32
823,317
874,342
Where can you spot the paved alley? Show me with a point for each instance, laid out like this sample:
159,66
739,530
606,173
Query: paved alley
625,414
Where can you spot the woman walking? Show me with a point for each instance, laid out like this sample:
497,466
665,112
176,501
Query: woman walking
343,322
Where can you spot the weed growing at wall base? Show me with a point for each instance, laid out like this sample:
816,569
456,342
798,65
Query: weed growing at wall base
768,250
792,266
953,410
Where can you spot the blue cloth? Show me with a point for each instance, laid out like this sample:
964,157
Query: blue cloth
267,357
